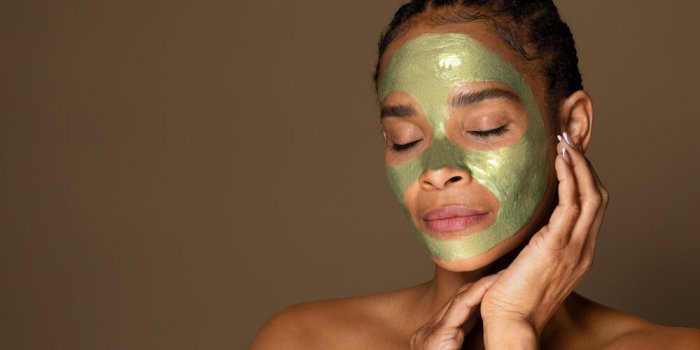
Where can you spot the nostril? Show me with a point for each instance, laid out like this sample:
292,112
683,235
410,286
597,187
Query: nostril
453,179
441,178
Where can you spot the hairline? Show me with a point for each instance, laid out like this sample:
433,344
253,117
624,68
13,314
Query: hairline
435,17
438,17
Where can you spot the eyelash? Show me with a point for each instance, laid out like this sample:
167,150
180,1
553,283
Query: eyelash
478,133
487,133
405,146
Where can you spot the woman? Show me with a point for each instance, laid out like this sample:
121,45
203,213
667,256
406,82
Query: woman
486,124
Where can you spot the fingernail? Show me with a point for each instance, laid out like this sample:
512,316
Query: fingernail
565,155
569,140
559,138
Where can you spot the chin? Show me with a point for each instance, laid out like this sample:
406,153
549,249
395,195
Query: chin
487,258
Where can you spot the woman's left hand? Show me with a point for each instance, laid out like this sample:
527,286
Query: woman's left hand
520,303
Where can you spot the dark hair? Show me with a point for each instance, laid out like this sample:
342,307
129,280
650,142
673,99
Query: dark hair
533,28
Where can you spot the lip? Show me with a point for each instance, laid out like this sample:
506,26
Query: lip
452,218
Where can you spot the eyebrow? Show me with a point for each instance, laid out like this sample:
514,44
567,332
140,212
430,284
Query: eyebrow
397,111
462,100
468,98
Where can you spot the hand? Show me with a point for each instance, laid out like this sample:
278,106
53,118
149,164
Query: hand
546,271
446,330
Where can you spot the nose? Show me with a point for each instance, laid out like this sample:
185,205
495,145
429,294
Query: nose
438,179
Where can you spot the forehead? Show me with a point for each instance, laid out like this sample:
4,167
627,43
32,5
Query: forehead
480,32
437,62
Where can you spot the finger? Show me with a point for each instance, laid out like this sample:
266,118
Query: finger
567,190
440,314
564,215
590,244
465,303
590,198
601,188
587,184
600,215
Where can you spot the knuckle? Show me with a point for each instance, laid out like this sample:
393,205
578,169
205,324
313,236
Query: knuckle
549,241
537,241
558,245
414,341
591,207
575,248
567,265
574,211
605,195
595,200
419,338
586,263
459,336
430,340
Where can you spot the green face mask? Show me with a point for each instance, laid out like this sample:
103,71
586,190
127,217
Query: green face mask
428,68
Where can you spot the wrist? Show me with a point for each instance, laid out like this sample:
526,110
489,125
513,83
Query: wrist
510,334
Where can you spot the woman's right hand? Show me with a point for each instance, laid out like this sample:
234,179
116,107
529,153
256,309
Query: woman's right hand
446,330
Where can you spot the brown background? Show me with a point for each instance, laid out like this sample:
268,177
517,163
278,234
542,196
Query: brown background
172,173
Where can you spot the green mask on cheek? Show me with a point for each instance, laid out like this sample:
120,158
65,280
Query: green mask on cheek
428,68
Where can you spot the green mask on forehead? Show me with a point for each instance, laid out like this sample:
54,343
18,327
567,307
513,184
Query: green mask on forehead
428,68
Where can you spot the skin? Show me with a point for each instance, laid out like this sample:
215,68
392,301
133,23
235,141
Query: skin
530,304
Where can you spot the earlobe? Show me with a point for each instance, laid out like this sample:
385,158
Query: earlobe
576,117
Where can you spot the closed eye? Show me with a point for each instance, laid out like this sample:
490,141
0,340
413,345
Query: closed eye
491,132
404,146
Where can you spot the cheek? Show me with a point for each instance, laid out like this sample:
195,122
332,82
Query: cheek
401,175
520,181
411,197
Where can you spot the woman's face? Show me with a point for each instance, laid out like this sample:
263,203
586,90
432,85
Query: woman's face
467,148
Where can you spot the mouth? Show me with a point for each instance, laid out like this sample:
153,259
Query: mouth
452,218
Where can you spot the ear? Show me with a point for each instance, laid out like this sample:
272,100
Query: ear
576,118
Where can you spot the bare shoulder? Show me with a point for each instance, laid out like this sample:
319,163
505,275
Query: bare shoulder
620,330
294,327
360,322
647,335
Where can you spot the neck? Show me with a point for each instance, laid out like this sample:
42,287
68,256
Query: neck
445,282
